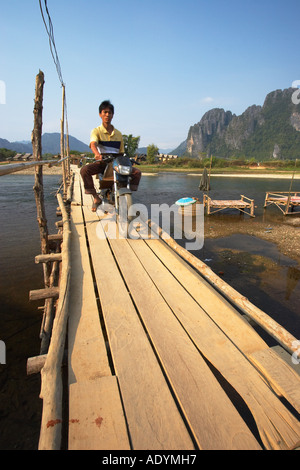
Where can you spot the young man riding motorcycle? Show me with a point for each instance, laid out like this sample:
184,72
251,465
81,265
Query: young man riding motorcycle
104,139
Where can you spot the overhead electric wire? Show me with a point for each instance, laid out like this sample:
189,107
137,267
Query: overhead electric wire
50,32
53,50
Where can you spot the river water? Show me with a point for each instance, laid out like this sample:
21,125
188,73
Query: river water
253,266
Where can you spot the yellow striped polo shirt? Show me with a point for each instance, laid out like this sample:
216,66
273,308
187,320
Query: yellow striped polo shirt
106,142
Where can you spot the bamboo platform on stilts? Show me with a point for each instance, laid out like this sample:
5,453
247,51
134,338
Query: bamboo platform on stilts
244,205
286,201
158,353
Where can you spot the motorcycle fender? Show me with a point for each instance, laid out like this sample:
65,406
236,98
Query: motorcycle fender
123,191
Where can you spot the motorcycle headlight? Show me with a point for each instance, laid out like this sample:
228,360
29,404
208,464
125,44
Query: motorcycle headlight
123,170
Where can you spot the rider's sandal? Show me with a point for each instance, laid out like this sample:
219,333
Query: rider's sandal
95,206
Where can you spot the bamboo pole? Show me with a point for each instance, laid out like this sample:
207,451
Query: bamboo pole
15,167
209,171
286,339
62,142
293,175
39,294
49,312
68,152
35,364
291,185
38,188
47,258
70,189
51,374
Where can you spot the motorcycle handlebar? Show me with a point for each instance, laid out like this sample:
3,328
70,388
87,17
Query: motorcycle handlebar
108,157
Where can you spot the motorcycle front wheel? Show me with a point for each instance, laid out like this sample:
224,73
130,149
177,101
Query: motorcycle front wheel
125,202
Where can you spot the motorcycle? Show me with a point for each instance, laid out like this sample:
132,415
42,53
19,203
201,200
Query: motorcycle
114,187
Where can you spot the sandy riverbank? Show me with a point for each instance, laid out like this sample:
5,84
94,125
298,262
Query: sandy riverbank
54,170
278,174
285,234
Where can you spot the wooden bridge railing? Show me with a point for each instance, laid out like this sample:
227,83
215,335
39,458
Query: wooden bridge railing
9,168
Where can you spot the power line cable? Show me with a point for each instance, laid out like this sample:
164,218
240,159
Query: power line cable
50,32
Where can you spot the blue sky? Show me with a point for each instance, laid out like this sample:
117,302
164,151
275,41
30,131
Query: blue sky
162,63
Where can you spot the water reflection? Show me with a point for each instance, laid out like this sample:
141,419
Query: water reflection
293,277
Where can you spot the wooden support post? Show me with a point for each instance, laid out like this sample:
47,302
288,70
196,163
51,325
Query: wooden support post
49,311
252,209
70,189
44,293
48,258
68,153
55,237
209,172
35,364
36,139
62,143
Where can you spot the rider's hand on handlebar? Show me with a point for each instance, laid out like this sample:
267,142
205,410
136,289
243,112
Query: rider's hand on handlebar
98,158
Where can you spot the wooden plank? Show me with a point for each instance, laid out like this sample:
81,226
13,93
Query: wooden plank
96,419
283,337
87,351
87,199
76,196
228,319
153,418
277,426
218,308
279,373
214,421
95,410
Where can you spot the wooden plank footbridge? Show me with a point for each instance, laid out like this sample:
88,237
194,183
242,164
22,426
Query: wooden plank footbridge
150,350
159,355
143,346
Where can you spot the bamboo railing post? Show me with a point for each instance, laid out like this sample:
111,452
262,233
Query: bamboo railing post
62,142
209,171
36,139
51,373
291,185
68,153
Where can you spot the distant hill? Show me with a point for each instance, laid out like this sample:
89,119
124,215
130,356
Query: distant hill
50,144
142,151
180,150
262,132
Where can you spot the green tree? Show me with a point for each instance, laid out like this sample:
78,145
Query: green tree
6,154
152,152
131,145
